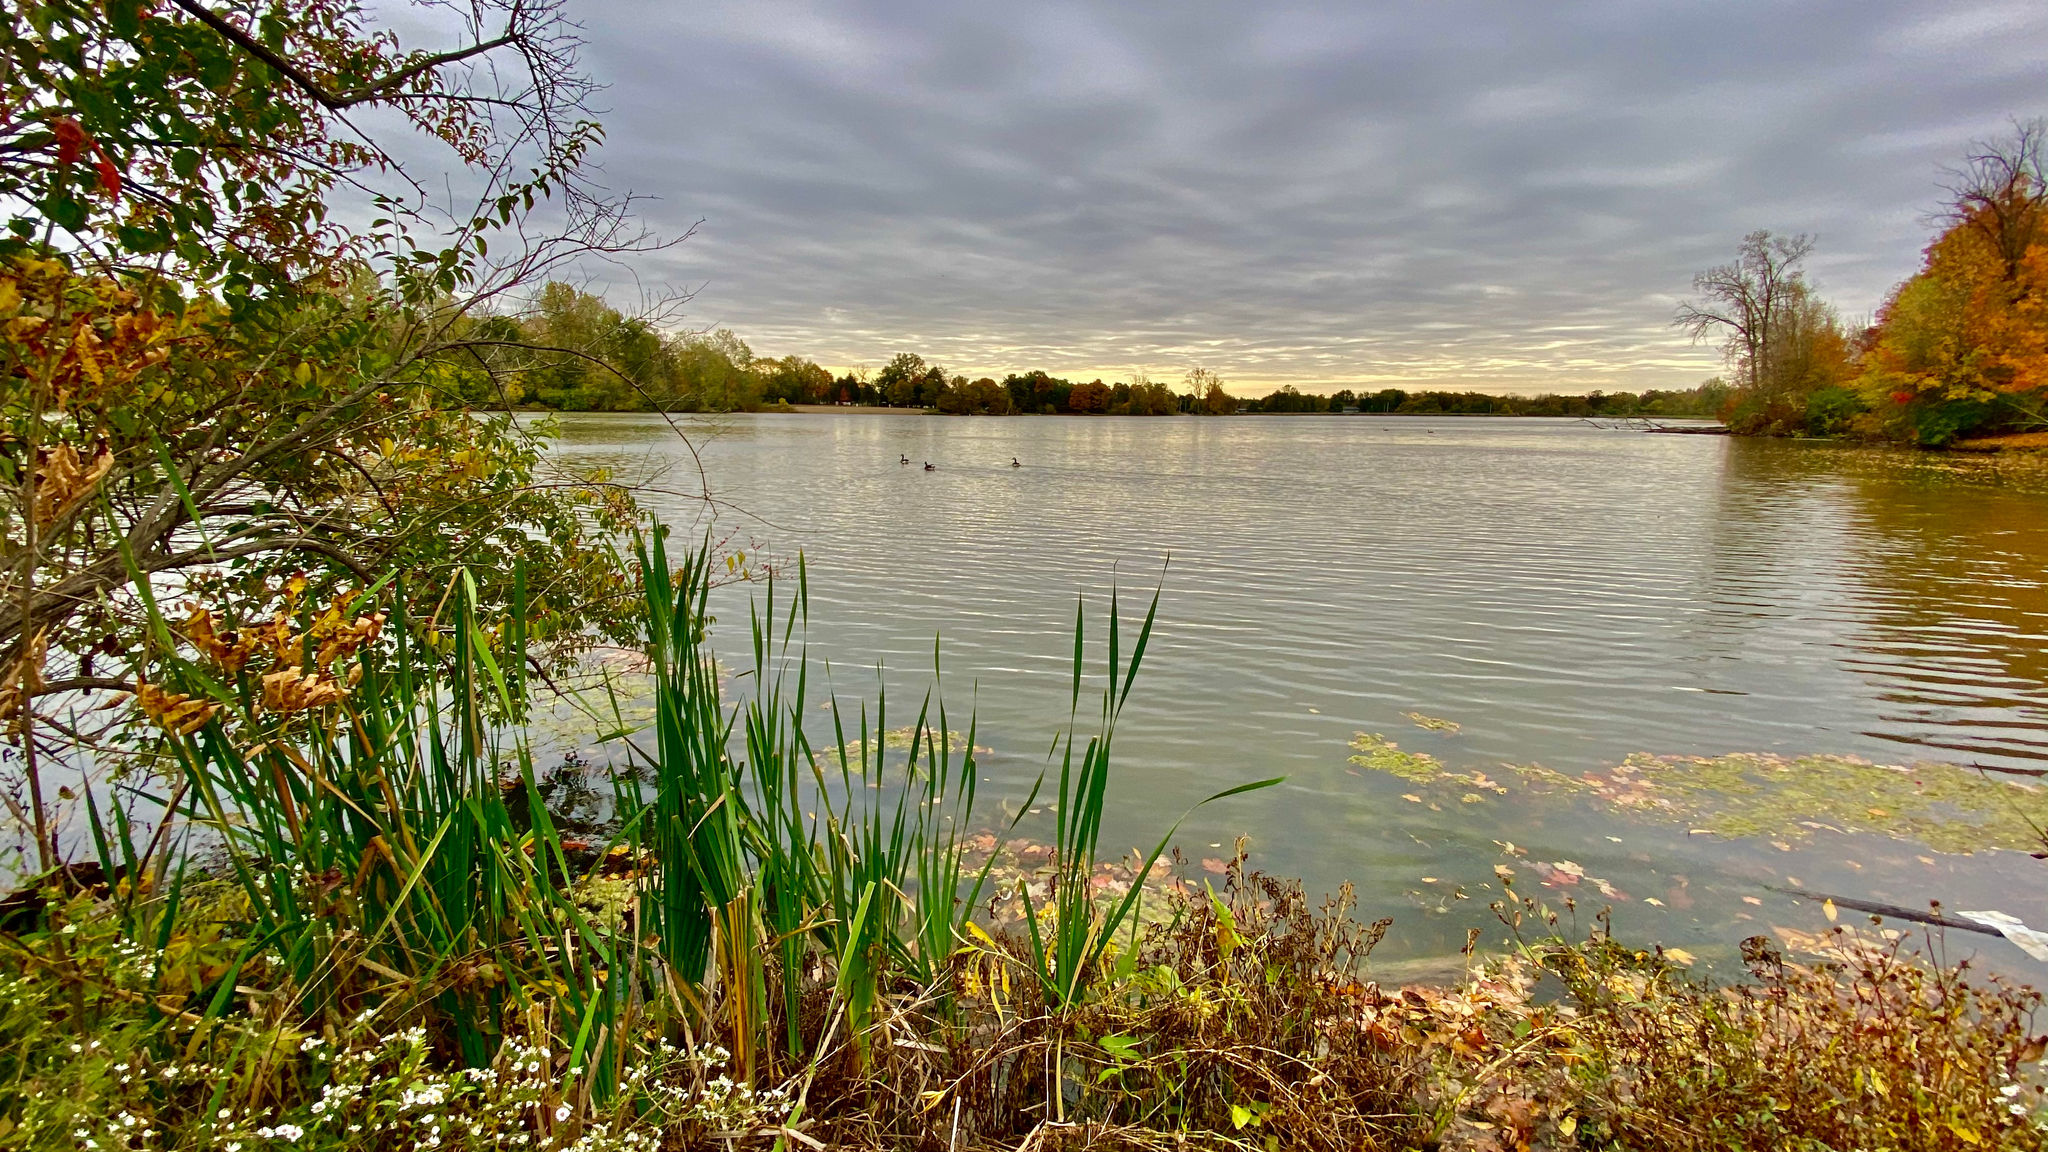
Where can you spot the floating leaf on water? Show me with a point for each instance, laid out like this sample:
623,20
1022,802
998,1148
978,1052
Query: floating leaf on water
1679,956
1433,723
1411,797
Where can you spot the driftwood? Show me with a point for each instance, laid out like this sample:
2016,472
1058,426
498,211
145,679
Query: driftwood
1895,911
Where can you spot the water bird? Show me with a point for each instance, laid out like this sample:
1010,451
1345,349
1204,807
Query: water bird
903,460
928,467
1014,463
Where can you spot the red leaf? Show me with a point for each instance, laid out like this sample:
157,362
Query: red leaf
110,176
71,140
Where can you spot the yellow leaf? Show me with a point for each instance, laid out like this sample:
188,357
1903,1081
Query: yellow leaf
1568,1125
1966,1134
1827,909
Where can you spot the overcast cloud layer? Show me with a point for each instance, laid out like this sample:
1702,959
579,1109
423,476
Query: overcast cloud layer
1504,196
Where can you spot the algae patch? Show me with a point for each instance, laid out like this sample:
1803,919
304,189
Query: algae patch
1432,723
1374,751
1754,794
1946,807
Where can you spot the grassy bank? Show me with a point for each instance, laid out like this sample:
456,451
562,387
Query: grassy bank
363,929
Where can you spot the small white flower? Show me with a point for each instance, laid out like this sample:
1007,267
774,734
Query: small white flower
2017,1109
561,1113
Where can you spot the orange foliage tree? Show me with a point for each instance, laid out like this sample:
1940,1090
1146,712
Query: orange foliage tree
1962,346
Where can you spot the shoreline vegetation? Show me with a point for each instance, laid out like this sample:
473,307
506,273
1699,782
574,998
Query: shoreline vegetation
367,930
284,588
1957,352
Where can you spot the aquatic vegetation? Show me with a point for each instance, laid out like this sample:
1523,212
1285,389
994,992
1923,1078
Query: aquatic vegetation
1376,752
1432,723
1944,806
1757,794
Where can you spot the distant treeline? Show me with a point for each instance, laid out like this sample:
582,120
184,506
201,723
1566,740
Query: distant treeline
579,354
1705,400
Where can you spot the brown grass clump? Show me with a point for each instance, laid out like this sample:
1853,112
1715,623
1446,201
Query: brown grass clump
1242,1021
1880,1049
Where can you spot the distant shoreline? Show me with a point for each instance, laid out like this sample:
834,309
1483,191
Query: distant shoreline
878,410
869,409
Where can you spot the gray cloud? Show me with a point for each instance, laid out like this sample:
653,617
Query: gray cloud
1495,195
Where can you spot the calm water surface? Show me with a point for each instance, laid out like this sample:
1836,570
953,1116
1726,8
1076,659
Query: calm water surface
1568,595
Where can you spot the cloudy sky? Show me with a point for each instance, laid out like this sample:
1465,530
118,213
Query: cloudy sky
1507,196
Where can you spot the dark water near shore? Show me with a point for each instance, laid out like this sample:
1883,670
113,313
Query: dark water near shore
1567,595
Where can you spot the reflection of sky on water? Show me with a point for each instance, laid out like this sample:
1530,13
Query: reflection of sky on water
1568,595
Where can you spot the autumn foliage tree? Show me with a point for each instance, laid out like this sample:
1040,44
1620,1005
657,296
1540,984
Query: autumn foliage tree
1787,347
1206,387
1962,346
212,388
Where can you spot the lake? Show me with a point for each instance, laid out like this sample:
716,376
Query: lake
1567,596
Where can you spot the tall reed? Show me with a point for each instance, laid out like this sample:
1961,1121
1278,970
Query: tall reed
396,856
1065,958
